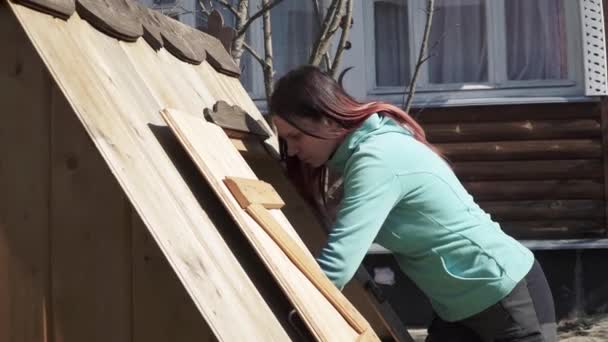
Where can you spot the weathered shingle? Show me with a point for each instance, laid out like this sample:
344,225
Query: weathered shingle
58,8
128,20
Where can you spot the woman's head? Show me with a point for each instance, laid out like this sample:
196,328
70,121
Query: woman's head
307,107
313,114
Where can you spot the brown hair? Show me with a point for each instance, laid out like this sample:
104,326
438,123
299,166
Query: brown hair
307,92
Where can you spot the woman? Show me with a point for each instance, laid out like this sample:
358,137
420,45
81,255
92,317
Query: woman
399,192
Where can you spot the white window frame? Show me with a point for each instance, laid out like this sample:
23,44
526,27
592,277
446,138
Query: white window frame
481,93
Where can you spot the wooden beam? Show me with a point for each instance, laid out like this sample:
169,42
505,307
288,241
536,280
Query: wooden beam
554,229
513,130
604,110
522,150
536,190
529,170
544,210
551,111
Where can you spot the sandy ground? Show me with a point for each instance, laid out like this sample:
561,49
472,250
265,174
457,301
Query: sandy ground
586,329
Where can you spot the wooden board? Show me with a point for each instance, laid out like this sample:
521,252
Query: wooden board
119,112
25,303
162,309
379,314
217,159
90,237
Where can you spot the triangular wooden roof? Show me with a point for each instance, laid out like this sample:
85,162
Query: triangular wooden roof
116,85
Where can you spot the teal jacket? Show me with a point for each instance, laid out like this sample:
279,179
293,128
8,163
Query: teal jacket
403,196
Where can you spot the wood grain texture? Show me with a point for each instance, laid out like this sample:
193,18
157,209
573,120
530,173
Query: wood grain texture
90,237
151,24
217,159
307,266
513,130
162,309
25,303
536,190
248,192
381,317
529,170
234,118
506,113
604,121
59,8
119,111
522,150
217,55
216,28
544,210
178,39
116,18
555,229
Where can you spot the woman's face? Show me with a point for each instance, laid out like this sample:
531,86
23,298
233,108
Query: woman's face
310,150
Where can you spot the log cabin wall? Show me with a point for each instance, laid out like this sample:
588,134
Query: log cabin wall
538,169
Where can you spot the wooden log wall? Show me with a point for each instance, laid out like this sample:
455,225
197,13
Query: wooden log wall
538,169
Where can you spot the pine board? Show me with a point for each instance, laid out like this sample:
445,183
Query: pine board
217,159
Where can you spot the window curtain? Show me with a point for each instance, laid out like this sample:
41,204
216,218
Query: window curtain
391,39
536,40
294,30
458,42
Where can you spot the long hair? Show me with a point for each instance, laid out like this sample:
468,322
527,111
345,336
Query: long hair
307,92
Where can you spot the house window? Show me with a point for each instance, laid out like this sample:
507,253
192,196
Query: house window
294,30
488,48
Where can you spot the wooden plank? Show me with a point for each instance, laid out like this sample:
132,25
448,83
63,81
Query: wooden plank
249,191
604,120
536,190
119,112
381,316
219,160
24,188
544,210
90,237
307,266
542,111
557,229
529,170
522,150
514,130
162,309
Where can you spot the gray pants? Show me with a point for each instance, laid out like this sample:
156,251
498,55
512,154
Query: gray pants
527,314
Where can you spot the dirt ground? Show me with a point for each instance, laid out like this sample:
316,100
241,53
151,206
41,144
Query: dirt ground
586,329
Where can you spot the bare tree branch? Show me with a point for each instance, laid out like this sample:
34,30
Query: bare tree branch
203,6
228,6
264,9
268,66
421,56
317,9
241,18
254,54
322,43
347,18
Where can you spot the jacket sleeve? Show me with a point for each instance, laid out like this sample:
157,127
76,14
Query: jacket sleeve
371,190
